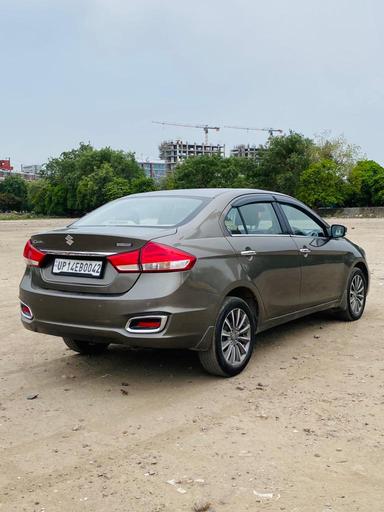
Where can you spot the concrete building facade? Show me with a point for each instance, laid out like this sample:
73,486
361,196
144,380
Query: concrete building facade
28,172
173,152
31,170
245,151
155,169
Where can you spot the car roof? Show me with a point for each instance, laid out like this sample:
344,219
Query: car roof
208,192
227,194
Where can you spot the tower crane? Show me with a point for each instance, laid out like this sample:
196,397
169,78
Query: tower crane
205,127
269,130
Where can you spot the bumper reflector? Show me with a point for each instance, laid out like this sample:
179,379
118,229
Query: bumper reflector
146,324
26,311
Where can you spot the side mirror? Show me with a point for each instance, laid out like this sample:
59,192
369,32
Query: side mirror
338,231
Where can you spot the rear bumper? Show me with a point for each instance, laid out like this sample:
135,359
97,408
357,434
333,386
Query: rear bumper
191,312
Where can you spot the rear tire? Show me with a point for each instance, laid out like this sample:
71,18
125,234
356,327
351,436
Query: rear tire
233,339
85,347
356,297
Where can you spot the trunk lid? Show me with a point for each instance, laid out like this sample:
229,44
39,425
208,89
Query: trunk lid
92,244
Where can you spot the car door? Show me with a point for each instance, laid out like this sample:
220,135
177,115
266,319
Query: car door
322,257
267,253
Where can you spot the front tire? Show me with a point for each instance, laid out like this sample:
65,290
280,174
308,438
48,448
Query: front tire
85,347
233,339
356,297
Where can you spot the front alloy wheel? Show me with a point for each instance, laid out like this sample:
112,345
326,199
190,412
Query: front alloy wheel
233,339
356,296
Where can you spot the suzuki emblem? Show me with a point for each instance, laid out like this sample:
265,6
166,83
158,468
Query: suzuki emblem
69,240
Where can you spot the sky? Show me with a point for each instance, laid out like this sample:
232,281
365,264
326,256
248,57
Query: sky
101,71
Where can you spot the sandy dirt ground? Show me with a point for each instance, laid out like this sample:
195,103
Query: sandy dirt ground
301,430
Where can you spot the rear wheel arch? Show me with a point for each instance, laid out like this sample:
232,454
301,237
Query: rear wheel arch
242,292
230,332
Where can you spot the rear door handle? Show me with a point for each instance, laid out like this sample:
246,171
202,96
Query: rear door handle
248,253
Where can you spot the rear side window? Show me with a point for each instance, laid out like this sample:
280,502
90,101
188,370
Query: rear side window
253,219
234,222
149,211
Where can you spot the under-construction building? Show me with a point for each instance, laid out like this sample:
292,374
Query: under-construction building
153,169
244,151
173,152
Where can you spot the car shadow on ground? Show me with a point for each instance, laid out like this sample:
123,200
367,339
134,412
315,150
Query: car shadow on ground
310,325
167,366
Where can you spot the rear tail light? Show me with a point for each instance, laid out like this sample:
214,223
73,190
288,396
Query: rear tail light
126,261
146,324
33,257
153,257
162,258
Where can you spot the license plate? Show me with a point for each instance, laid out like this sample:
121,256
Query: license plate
78,267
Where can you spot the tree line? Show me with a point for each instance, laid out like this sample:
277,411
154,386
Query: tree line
324,172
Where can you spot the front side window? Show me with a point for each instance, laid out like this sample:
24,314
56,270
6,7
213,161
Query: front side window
253,219
301,223
260,219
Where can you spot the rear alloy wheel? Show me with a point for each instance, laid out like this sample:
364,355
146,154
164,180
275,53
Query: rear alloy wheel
233,340
85,347
356,296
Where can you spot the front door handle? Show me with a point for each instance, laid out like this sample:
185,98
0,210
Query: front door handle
305,251
248,253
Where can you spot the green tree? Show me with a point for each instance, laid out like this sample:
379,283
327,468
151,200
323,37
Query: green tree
281,162
322,185
56,201
84,178
117,187
199,172
103,185
337,149
17,187
367,184
91,191
208,171
39,193
142,184
9,202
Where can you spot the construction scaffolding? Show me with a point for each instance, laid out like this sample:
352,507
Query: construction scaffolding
245,151
173,152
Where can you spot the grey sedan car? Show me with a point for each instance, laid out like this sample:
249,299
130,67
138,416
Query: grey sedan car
200,269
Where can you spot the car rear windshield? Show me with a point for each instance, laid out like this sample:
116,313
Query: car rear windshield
150,211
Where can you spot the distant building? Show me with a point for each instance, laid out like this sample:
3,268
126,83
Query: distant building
5,165
244,151
173,152
32,170
4,174
155,169
28,172
5,168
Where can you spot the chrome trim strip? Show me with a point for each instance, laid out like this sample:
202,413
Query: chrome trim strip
248,253
261,234
76,253
163,321
282,234
309,236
